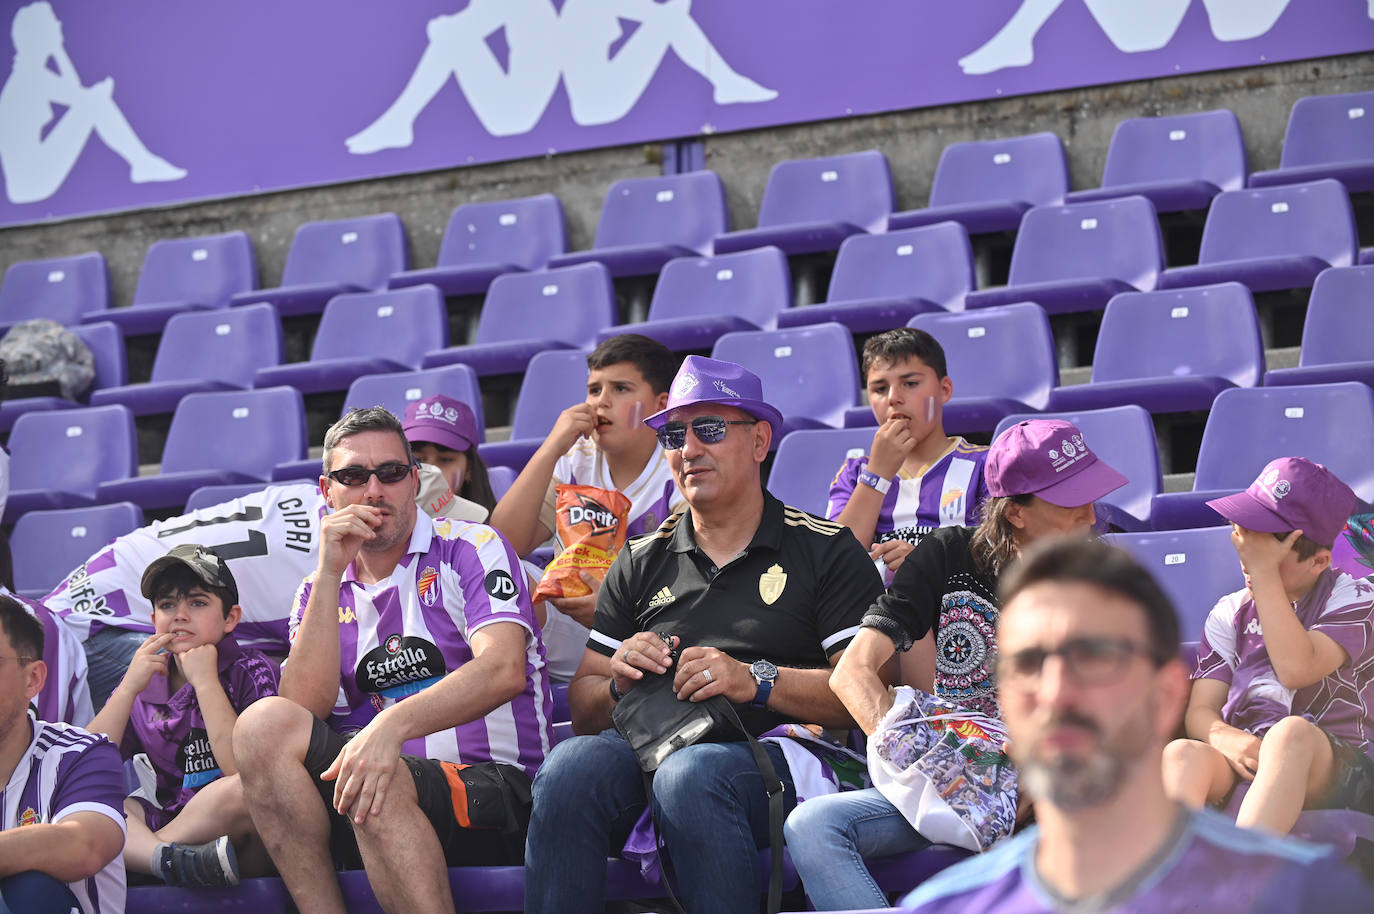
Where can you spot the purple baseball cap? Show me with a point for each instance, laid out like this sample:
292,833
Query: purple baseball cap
1048,458
703,380
1292,493
443,421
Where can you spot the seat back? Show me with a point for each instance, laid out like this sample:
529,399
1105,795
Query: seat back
106,342
1329,128
554,380
807,461
397,391
1313,219
1205,145
364,252
47,545
1110,239
1331,424
203,271
1207,330
1005,352
687,210
60,288
72,450
400,325
1032,169
569,304
1340,317
807,372
525,232
228,345
1194,567
754,285
934,262
243,431
854,188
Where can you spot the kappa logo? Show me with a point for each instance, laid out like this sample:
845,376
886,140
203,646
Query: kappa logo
427,586
346,615
483,537
662,598
1253,627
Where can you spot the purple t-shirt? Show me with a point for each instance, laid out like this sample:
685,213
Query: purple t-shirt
171,728
1233,651
1208,865
67,770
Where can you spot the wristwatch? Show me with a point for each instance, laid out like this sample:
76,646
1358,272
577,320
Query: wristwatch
874,481
765,674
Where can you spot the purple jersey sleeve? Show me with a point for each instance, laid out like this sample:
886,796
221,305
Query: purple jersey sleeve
1217,653
253,677
842,487
92,780
1348,618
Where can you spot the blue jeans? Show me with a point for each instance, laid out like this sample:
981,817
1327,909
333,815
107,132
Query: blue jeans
108,653
828,838
32,892
709,803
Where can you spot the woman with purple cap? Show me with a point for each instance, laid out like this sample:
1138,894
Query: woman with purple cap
443,434
941,614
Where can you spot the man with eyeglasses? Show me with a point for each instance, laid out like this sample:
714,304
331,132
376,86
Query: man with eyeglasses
414,705
1092,687
760,599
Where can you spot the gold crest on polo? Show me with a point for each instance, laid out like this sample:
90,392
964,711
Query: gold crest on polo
771,583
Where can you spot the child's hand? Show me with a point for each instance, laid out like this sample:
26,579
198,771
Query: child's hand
147,663
577,421
892,444
1260,553
892,552
200,665
1240,748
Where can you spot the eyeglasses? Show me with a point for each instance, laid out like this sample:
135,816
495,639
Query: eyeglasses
387,474
1090,661
708,429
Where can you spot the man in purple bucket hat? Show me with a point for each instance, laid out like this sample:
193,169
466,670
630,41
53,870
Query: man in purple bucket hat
738,595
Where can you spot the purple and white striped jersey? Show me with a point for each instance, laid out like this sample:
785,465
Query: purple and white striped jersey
402,635
1342,704
653,496
67,770
66,694
949,494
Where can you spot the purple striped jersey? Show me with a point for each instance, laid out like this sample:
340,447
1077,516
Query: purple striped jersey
403,634
66,695
67,770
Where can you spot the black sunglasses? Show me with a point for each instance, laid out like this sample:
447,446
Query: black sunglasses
708,429
387,474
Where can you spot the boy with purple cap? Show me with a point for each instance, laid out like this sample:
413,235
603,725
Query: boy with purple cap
941,613
1283,692
443,437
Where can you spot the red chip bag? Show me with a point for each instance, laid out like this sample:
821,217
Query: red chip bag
591,526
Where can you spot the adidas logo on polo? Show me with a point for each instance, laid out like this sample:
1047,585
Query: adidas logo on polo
662,598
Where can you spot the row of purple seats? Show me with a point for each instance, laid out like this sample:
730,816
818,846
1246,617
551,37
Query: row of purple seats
46,545
57,288
1338,333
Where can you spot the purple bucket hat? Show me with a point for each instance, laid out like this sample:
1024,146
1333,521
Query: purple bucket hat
1048,458
443,421
1292,493
703,380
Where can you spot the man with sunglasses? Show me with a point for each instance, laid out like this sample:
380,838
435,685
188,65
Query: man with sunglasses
759,600
1092,687
414,703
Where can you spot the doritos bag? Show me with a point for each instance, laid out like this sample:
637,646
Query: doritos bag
591,525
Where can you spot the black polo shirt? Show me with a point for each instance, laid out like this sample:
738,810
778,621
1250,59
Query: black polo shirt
794,596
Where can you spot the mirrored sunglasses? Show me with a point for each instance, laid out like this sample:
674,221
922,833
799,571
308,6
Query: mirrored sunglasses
708,429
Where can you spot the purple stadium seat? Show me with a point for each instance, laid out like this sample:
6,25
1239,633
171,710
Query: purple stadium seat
1273,238
811,205
1195,567
1171,351
809,373
1076,257
1124,436
217,438
807,461
330,258
485,240
1002,361
1366,256
1179,162
646,222
365,333
106,343
882,281
501,479
1248,427
203,351
698,299
60,289
47,545
987,185
209,496
1328,136
554,381
528,313
59,458
1338,335
185,274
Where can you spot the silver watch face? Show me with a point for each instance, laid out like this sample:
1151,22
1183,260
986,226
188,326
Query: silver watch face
763,671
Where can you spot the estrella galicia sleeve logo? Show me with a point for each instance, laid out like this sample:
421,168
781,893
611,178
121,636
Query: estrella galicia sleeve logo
196,760
499,585
400,667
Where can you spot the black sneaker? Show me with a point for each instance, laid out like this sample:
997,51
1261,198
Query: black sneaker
213,864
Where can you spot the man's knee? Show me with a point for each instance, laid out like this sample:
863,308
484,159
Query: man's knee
271,728
705,770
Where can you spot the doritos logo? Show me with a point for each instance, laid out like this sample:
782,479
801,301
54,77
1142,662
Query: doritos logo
594,514
426,585
28,817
